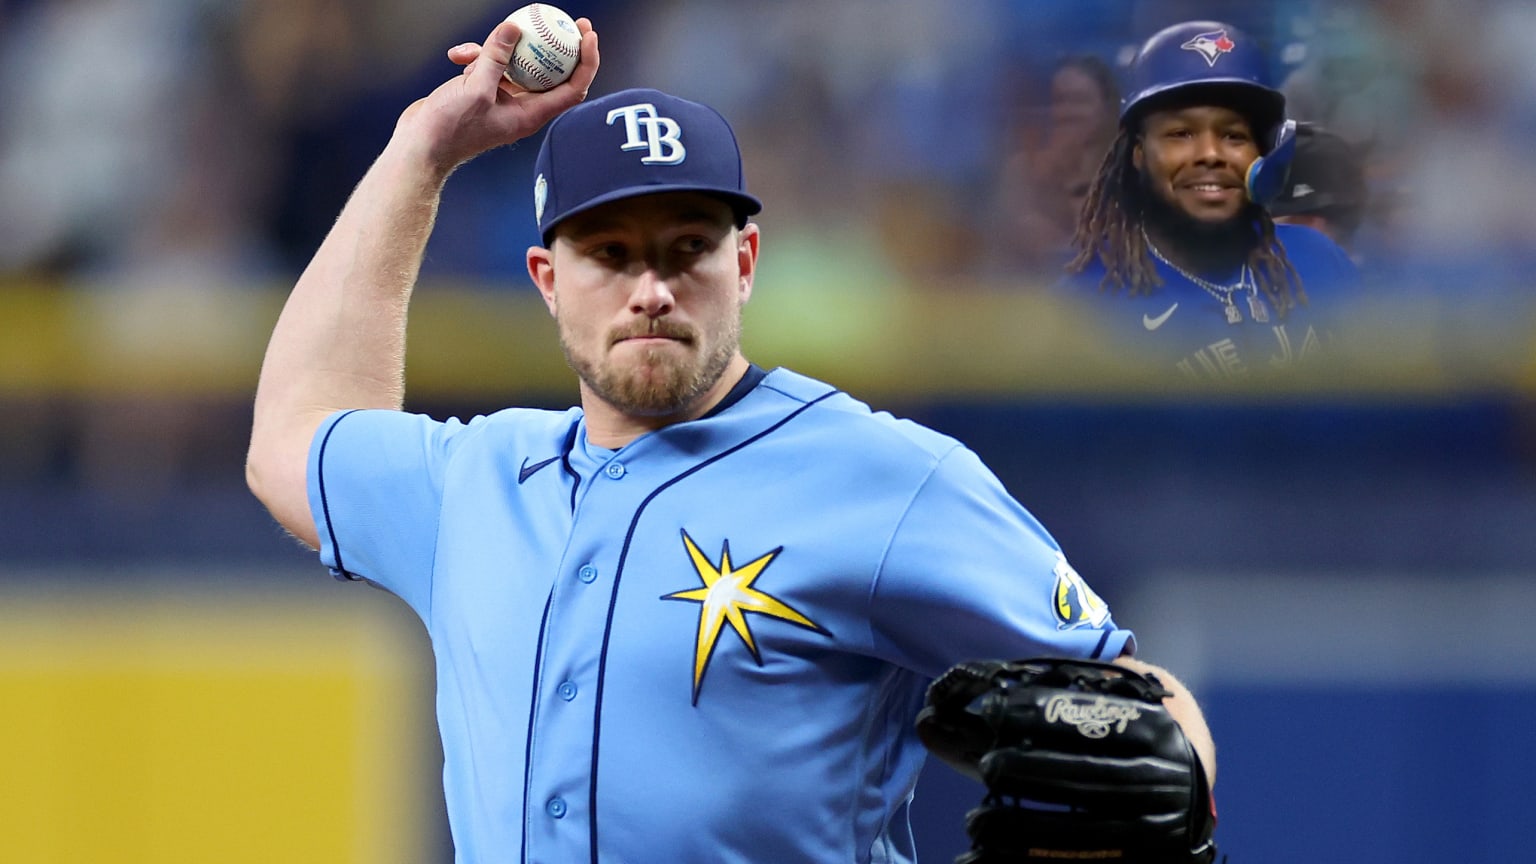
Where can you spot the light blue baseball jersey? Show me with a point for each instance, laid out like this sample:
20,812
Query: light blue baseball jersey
1185,328
708,646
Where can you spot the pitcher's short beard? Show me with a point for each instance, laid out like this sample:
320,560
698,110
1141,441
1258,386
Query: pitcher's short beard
672,384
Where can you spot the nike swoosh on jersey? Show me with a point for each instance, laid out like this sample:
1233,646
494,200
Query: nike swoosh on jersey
527,470
1151,323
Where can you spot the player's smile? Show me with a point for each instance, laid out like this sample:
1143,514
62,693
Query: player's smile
1194,158
1210,193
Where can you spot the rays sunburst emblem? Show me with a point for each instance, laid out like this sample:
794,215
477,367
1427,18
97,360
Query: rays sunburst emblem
728,594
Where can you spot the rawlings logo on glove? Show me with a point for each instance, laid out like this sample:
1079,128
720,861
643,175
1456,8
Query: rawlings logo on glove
1093,720
1080,759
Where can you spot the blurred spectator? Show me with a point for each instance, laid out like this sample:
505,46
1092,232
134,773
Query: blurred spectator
1462,163
1085,102
1353,78
324,80
1463,244
188,165
135,176
902,120
92,154
1326,188
1051,165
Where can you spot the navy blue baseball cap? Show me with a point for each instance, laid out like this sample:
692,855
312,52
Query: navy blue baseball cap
636,142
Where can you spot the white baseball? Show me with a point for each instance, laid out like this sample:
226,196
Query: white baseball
547,51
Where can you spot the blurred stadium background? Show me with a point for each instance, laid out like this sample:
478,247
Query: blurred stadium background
1342,569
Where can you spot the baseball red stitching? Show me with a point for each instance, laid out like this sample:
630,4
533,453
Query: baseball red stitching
533,72
536,18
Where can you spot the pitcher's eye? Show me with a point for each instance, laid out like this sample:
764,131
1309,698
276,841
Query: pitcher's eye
607,252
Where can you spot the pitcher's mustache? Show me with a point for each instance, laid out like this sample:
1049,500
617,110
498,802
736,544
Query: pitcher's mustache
655,327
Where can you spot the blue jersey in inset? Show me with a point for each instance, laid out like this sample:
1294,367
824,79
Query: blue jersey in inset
1184,327
707,646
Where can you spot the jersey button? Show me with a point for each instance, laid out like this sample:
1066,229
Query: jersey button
567,691
555,808
587,573
615,470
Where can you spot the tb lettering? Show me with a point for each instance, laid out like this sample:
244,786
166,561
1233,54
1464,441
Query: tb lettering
645,130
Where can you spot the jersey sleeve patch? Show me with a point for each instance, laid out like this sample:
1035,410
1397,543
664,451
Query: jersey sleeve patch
1074,602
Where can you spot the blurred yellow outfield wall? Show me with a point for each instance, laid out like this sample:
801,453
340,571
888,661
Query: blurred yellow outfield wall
159,726
877,341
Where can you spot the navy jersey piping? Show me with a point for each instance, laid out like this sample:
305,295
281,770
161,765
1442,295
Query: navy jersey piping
538,649
1099,648
629,535
325,503
533,703
565,463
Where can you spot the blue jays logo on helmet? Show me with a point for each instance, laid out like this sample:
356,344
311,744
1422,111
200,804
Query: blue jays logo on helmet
1210,45
1203,54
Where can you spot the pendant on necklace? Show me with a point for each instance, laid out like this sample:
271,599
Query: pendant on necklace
1257,307
1233,316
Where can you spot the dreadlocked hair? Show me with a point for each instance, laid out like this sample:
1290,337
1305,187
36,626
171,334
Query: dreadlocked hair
1109,228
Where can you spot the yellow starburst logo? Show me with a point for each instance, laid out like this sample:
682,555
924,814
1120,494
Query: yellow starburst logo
727,596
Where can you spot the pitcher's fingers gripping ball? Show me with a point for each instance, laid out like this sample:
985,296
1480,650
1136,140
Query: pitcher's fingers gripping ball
547,51
1080,759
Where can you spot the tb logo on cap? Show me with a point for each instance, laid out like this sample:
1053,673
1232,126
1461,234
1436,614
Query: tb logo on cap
660,134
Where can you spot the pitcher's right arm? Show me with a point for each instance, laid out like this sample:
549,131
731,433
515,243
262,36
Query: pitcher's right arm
339,342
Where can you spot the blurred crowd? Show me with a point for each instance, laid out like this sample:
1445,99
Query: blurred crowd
194,148
212,141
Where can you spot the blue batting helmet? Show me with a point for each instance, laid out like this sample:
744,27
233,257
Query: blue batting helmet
1196,56
1200,60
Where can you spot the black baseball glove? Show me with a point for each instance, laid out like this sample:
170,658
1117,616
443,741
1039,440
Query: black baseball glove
1080,759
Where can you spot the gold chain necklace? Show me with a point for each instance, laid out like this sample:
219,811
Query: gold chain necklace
1222,293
